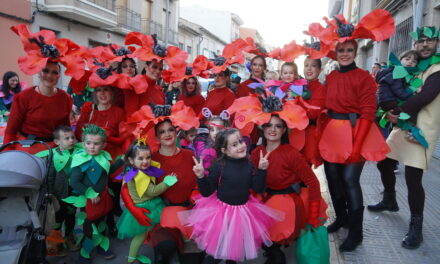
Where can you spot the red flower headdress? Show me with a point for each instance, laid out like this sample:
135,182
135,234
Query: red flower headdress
42,47
232,53
258,109
150,49
255,48
142,122
199,67
378,25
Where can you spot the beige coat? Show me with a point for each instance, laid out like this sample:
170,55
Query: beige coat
428,120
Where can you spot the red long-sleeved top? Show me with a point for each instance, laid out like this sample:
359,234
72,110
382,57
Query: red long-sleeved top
134,101
318,98
36,114
219,99
243,89
109,119
182,165
196,102
353,91
287,166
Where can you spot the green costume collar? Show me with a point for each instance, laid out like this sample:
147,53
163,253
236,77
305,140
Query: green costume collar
61,158
92,165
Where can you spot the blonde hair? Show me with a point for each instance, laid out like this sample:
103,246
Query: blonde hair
293,65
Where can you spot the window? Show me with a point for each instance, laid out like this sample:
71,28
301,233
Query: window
401,40
189,49
181,46
93,43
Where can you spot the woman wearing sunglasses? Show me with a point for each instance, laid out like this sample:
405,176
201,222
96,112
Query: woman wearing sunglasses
191,94
37,111
349,138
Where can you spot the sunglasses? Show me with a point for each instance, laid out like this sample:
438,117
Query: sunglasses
47,71
219,75
345,50
427,40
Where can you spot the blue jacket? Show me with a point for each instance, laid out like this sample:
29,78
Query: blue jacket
391,90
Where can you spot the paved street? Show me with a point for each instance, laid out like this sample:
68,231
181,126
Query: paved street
382,232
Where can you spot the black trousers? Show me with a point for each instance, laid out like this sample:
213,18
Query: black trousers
66,215
343,182
413,178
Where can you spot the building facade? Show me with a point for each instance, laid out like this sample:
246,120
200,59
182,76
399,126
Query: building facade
98,22
196,40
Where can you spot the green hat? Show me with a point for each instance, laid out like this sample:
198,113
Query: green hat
427,32
92,129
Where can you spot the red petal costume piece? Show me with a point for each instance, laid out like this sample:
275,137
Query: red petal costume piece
42,47
142,122
289,52
255,48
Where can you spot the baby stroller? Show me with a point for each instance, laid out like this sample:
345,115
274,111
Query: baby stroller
23,205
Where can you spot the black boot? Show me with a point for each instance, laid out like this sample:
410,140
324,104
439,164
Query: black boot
414,236
274,255
341,216
355,236
388,203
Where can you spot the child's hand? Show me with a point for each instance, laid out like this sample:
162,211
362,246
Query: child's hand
170,180
198,168
263,164
95,200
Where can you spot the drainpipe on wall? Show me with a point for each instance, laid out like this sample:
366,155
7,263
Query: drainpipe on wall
167,23
418,7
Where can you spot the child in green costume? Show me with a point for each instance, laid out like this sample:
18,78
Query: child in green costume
58,179
140,177
90,171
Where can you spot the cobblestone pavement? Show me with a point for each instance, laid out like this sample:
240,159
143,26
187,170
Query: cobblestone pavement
383,232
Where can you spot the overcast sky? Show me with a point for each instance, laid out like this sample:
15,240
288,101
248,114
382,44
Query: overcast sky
277,21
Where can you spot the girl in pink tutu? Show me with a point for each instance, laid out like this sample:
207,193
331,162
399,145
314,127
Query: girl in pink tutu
228,223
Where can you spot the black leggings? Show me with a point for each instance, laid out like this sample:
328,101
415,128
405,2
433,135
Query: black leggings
343,183
166,249
413,178
66,215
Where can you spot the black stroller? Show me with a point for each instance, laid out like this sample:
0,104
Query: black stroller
23,205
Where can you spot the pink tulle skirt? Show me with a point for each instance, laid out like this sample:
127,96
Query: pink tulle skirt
232,232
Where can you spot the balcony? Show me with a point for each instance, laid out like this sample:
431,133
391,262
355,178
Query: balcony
100,13
128,20
150,27
392,5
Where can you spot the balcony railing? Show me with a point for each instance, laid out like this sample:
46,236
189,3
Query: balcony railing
128,19
99,13
401,40
150,27
107,4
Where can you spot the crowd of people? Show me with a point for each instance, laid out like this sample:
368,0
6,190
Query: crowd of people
231,172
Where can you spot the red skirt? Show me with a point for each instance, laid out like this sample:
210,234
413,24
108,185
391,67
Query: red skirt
337,138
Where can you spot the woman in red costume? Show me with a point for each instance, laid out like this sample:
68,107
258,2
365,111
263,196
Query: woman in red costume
349,138
221,97
154,94
167,238
126,66
258,67
287,167
191,94
312,69
37,111
104,114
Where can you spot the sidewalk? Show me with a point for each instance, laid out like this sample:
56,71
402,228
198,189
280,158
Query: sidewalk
383,232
